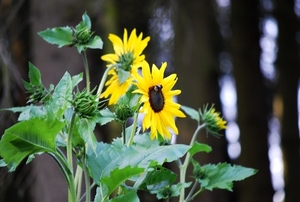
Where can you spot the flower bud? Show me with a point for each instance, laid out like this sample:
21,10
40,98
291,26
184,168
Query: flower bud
85,104
212,120
123,110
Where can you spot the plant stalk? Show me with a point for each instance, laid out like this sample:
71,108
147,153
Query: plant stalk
87,71
102,82
183,168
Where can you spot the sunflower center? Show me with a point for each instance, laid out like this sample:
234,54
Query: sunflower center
156,98
125,61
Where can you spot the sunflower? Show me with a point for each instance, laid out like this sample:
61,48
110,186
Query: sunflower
212,120
157,98
126,60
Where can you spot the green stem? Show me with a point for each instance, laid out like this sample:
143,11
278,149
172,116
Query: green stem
102,82
67,173
124,132
197,193
87,184
70,157
78,181
87,71
90,188
183,168
133,129
191,191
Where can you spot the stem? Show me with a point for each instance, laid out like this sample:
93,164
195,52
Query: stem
67,173
124,132
133,129
87,71
70,158
87,184
102,82
183,168
91,187
191,191
192,197
78,181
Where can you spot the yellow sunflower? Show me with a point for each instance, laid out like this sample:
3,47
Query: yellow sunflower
126,60
157,95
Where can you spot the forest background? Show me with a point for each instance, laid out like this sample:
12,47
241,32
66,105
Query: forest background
243,56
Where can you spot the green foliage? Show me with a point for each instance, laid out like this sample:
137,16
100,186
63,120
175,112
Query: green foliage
194,114
28,137
57,119
81,37
221,176
61,36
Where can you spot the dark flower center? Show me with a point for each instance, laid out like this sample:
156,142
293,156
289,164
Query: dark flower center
156,98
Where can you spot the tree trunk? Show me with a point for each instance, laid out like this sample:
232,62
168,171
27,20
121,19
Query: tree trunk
253,107
288,66
197,45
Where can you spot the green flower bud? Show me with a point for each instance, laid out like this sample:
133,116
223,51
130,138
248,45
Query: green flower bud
123,110
38,94
212,120
83,36
85,104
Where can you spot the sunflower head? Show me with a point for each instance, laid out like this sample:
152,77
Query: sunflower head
212,120
157,97
126,59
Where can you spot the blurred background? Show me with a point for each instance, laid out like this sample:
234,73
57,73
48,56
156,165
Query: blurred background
243,56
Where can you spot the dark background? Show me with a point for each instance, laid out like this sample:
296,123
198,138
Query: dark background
251,45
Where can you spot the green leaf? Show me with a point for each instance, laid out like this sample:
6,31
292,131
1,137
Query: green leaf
86,132
60,36
61,96
95,43
198,147
222,175
2,163
159,178
119,175
76,80
194,114
85,23
28,137
130,196
123,75
108,157
105,117
34,75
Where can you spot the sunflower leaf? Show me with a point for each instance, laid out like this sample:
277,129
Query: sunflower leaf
123,75
95,43
194,114
198,147
28,137
119,175
221,176
105,116
60,36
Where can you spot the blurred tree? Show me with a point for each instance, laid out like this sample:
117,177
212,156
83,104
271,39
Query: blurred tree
254,106
197,45
14,43
289,72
